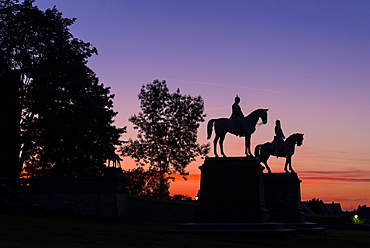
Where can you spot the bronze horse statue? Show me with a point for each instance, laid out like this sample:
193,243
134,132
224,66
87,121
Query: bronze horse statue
286,149
112,156
223,126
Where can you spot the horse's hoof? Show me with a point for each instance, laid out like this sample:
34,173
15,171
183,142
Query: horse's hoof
224,156
269,171
286,171
292,171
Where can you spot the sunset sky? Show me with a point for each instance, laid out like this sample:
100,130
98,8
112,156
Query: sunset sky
307,61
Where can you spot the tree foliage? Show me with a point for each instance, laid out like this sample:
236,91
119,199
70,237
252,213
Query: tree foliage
10,111
67,115
141,182
167,131
316,205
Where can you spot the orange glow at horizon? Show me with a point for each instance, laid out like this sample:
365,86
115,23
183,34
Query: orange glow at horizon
315,184
323,189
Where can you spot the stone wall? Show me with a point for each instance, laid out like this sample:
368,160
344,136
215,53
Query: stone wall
103,197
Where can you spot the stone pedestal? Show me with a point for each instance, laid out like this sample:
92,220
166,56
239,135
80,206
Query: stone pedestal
113,195
231,190
283,197
236,198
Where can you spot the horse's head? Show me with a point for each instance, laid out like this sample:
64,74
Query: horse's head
253,117
298,138
263,115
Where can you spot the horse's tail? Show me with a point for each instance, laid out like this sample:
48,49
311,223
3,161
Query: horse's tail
209,128
257,150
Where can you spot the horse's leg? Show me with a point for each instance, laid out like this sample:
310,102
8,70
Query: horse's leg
290,165
287,162
248,152
215,145
265,163
222,138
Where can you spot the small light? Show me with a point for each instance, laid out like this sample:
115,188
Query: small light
356,219
196,198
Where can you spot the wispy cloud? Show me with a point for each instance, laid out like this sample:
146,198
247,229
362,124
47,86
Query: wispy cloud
316,110
345,175
344,172
305,180
227,85
341,179
313,182
338,176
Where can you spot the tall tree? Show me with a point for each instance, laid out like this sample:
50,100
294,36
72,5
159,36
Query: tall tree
10,112
167,131
67,115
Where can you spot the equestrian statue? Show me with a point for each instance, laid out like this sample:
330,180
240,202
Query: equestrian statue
279,148
112,156
237,124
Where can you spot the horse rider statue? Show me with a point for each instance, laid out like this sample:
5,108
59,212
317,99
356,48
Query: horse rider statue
112,156
236,118
278,138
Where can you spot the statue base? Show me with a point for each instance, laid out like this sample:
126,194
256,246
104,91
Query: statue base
231,191
283,197
236,198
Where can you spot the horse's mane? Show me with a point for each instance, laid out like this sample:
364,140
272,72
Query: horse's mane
253,112
294,136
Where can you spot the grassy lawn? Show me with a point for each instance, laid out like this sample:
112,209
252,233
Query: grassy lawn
20,231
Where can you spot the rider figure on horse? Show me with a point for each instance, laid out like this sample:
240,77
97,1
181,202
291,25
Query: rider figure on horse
279,137
236,117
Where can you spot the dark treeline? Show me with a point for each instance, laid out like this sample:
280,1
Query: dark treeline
57,118
62,117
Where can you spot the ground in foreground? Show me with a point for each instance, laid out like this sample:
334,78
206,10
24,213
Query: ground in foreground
21,231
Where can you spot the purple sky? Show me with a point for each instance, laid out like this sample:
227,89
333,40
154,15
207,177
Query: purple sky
307,61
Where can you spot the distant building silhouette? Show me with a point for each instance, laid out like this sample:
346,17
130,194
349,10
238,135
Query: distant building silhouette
320,208
363,212
335,208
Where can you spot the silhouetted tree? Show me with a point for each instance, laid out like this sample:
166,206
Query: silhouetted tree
316,205
180,197
167,131
67,115
10,112
141,182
